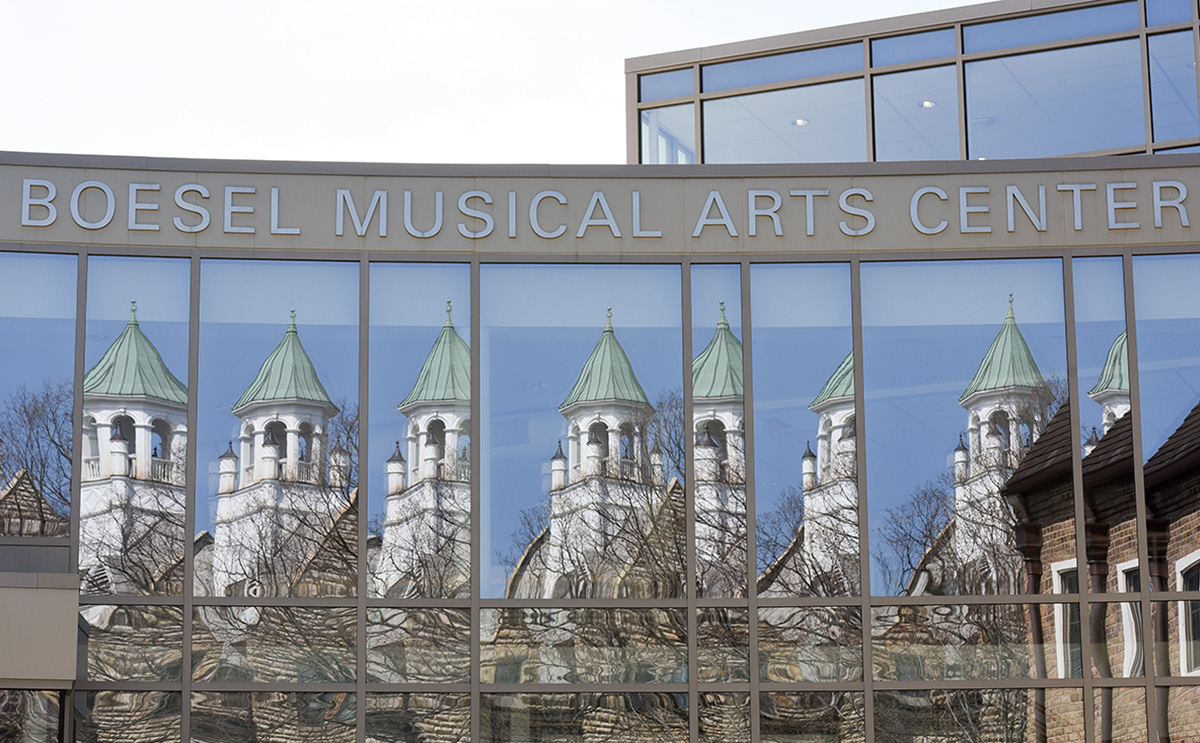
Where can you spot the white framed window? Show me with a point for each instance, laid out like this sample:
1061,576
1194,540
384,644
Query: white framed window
1187,578
1068,627
1129,580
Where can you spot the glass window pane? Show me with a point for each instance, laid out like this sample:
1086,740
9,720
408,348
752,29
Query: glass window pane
402,718
248,717
916,115
925,643
977,714
419,646
1039,29
149,716
913,47
583,432
133,643
30,716
805,436
965,368
1055,103
1106,427
724,645
273,643
37,310
817,123
779,68
1160,12
724,717
135,426
1126,708
669,135
717,431
661,85
583,646
570,717
807,645
419,501
277,435
815,715
1173,86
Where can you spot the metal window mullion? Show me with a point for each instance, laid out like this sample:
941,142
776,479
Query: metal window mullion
864,555
67,711
697,114
1150,664
1148,118
960,83
751,512
476,494
1083,598
869,99
191,465
690,587
364,423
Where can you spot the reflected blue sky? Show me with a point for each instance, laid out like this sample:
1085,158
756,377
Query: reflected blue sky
926,328
1168,343
244,307
37,310
540,323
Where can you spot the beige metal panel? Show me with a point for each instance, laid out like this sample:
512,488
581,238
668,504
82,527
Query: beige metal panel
39,631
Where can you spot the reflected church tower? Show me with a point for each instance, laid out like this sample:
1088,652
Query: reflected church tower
1007,403
720,456
425,547
1111,391
606,480
134,441
829,478
276,498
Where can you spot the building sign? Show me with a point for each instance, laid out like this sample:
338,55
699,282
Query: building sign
589,211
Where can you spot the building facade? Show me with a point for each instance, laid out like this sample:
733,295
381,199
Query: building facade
846,451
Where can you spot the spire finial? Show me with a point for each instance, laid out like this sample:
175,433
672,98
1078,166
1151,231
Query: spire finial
722,321
1010,303
292,322
449,324
608,321
133,312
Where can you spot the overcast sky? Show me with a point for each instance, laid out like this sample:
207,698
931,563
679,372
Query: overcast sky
530,81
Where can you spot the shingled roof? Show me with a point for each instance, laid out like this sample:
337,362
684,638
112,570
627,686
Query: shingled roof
287,374
717,371
607,374
1007,363
446,374
133,367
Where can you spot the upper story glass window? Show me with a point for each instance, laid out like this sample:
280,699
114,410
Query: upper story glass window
1161,12
662,85
781,67
916,115
816,123
1039,29
913,47
1064,101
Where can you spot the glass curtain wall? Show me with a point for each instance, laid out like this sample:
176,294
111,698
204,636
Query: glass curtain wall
936,531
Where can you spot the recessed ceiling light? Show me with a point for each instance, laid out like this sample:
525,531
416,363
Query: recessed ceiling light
928,104
800,122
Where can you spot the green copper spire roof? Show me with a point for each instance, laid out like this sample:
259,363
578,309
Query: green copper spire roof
607,374
133,366
717,371
446,374
287,374
1115,374
840,384
1008,362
